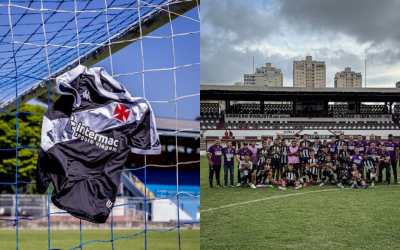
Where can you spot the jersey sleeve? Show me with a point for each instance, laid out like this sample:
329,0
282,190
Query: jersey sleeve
144,139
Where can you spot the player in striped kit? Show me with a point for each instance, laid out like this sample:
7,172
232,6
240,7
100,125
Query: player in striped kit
369,167
344,174
284,155
305,147
340,142
290,178
275,152
264,174
312,168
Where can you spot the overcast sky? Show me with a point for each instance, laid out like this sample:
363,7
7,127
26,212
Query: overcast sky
341,33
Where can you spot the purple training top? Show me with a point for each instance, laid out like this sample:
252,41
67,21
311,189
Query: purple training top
243,152
356,159
391,149
216,153
228,154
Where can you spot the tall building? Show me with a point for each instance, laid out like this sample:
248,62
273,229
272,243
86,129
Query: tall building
348,79
265,76
309,74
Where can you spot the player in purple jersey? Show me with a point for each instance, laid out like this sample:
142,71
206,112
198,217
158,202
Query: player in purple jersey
252,147
361,144
392,148
351,145
384,164
332,148
356,158
214,159
229,157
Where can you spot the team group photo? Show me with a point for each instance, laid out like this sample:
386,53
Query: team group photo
351,161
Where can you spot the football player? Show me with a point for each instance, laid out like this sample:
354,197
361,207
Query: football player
245,172
291,178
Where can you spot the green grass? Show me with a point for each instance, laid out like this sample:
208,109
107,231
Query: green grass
65,239
338,219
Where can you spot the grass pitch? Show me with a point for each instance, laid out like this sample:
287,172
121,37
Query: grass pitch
310,218
66,239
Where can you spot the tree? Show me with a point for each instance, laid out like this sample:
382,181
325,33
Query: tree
29,127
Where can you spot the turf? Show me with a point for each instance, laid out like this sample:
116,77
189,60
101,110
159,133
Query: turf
331,219
65,239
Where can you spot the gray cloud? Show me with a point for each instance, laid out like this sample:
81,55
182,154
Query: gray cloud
238,19
228,23
367,20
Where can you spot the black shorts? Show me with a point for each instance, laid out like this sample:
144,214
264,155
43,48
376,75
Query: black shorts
276,163
304,160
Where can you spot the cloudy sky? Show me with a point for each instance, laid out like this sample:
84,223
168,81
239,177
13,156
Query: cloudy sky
342,33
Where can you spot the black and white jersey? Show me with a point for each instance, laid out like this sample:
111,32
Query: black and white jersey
344,156
321,156
276,152
314,168
263,154
86,138
284,154
305,147
368,164
291,175
316,147
340,144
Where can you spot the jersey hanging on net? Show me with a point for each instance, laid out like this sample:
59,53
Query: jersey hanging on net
86,138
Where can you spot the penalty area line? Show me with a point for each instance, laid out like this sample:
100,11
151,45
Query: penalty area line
264,199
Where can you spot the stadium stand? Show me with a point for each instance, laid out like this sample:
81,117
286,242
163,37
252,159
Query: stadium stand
229,107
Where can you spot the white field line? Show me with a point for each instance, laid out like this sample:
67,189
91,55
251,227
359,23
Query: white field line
266,198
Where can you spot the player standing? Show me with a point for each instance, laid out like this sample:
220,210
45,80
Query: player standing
393,149
214,159
229,153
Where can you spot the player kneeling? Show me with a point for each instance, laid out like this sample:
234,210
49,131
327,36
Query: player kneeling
356,177
369,166
290,178
329,172
264,174
247,175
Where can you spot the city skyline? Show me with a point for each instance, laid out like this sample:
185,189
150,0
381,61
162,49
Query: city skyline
341,34
358,81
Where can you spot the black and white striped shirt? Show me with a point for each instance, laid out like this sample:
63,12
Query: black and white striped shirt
314,169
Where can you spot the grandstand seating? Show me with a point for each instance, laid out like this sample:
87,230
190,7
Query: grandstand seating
396,109
162,183
279,116
211,117
255,108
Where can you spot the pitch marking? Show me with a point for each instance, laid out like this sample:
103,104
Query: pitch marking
264,199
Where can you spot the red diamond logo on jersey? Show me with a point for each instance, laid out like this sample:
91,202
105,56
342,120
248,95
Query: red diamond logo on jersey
121,112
